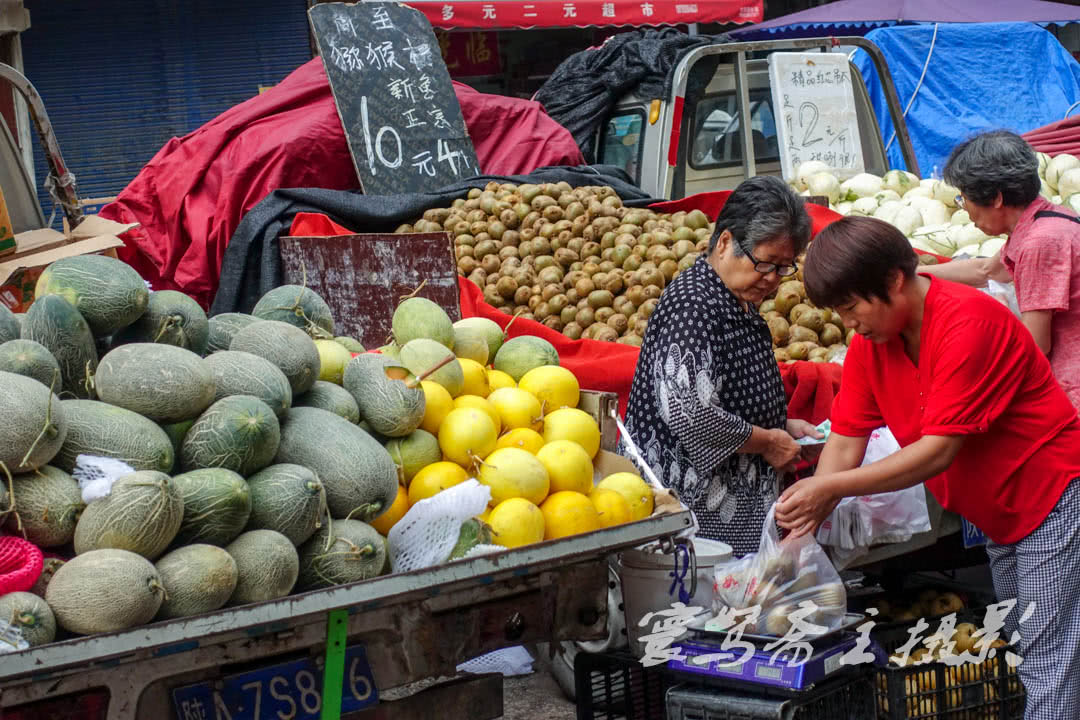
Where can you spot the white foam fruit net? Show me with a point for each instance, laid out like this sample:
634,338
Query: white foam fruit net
508,661
430,529
96,475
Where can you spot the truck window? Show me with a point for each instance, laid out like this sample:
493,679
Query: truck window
715,133
622,142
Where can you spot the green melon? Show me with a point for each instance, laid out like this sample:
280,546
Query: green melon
489,329
422,354
21,318
34,423
164,383
298,306
328,396
49,506
177,432
49,566
105,591
10,328
30,615
288,347
32,359
238,433
97,428
197,578
107,292
266,566
386,401
391,350
223,327
350,344
473,532
413,452
419,317
56,324
357,472
342,552
287,498
470,344
241,373
519,355
171,318
142,513
217,504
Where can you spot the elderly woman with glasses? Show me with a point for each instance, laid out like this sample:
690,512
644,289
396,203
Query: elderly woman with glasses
997,174
707,406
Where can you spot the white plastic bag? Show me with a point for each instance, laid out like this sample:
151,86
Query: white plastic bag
427,533
1005,293
859,522
778,578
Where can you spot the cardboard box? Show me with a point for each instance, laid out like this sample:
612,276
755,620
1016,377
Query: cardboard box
36,249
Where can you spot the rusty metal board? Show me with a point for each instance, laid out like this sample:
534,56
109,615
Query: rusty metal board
362,277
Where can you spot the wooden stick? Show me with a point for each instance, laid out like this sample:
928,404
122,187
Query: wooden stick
424,375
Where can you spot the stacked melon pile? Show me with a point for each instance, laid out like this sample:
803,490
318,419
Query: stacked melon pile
253,454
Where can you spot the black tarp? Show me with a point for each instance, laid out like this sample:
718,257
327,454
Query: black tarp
251,265
584,89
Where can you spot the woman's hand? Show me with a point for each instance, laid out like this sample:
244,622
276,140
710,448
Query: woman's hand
805,505
800,429
781,451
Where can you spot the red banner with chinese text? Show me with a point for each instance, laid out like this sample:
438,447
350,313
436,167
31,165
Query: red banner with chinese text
476,14
471,53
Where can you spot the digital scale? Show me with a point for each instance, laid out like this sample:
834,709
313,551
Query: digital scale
767,667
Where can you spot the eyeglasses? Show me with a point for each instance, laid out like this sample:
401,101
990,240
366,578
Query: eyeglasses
767,267
960,202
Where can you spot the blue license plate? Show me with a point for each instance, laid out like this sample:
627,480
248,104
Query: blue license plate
289,691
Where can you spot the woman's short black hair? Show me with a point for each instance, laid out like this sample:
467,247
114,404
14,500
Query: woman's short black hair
995,162
761,209
855,256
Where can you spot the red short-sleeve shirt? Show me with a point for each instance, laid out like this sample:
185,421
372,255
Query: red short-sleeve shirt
980,374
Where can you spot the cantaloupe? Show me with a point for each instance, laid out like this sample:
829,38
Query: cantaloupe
422,354
97,428
289,499
328,396
469,343
241,373
267,565
29,358
21,319
288,347
519,355
56,324
171,318
239,433
107,292
30,615
387,401
49,506
489,329
419,317
223,327
197,578
142,514
105,591
412,452
164,383
217,505
299,306
357,472
177,432
341,552
34,426
49,566
10,327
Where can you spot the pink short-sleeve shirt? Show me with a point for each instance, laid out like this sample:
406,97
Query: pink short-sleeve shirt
1043,255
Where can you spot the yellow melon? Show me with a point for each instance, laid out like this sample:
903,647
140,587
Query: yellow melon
611,507
397,510
573,424
569,466
437,404
466,436
522,438
433,479
635,491
517,408
475,401
476,379
555,387
498,379
516,522
511,472
568,513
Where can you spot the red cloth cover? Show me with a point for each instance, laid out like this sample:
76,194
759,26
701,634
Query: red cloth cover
1058,137
191,196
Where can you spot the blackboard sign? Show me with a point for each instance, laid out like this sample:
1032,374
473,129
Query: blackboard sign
814,106
394,96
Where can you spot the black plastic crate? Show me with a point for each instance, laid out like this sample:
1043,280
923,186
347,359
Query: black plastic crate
616,686
990,690
848,698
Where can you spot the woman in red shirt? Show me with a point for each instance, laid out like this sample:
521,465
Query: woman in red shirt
980,419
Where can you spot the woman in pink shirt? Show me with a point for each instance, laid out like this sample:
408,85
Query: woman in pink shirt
997,174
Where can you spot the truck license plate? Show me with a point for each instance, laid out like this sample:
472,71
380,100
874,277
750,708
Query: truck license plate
289,691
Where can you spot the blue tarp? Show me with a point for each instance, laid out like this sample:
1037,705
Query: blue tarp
981,76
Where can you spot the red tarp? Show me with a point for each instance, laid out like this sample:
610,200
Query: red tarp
191,196
477,15
1062,136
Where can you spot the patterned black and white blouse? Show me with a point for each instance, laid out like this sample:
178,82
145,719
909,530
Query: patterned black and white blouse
706,373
